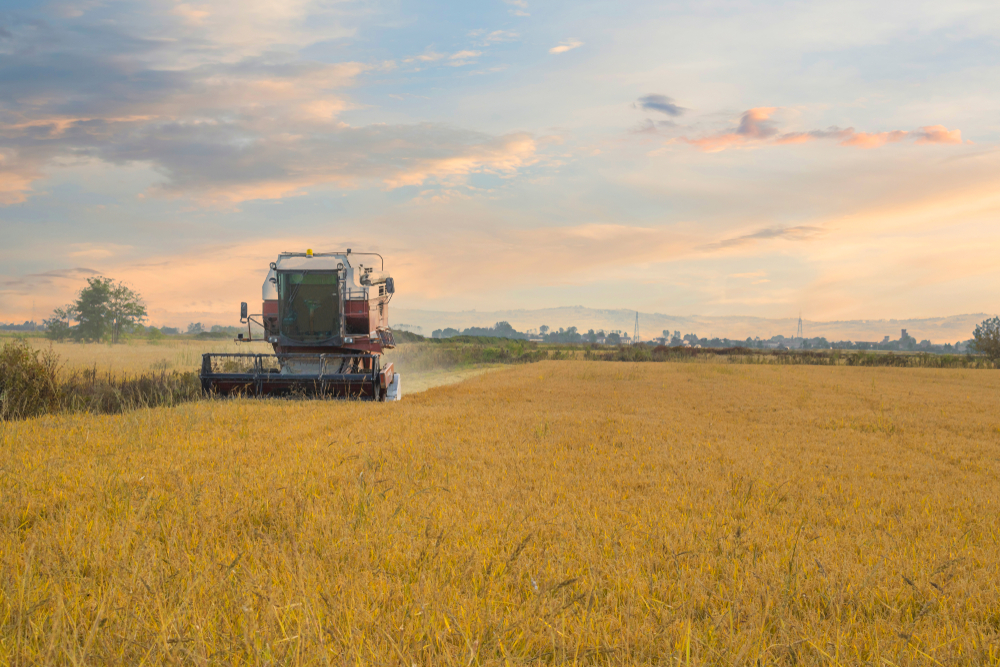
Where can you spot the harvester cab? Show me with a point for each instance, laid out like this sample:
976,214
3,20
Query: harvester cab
326,317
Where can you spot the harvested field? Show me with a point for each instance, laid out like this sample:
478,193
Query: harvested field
552,513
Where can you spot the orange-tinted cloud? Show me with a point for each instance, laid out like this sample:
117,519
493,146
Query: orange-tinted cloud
873,140
938,134
505,155
16,177
756,129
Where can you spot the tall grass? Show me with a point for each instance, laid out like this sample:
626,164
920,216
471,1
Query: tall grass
28,381
32,383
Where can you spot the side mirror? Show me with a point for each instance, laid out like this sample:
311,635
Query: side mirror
243,311
390,287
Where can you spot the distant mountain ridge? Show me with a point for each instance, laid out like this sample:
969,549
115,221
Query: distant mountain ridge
936,329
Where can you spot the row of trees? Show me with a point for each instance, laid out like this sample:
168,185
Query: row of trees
505,330
986,339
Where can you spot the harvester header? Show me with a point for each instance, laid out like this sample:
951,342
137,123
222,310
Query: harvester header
326,317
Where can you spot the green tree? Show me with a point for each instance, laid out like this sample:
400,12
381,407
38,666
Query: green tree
125,310
91,310
57,327
987,338
104,308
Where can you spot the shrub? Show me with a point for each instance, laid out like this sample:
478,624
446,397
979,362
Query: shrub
28,381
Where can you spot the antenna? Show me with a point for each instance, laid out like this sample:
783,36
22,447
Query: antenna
798,333
635,334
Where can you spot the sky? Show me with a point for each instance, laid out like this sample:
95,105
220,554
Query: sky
705,157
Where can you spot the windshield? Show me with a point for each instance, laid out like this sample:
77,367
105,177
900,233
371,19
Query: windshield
309,305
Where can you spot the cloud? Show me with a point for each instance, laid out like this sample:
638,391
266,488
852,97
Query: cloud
496,37
567,45
456,59
754,124
873,139
502,156
69,274
799,233
756,129
661,103
52,288
521,6
191,15
98,250
938,134
428,57
264,127
463,58
16,177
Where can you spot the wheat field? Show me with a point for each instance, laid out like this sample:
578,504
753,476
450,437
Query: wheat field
554,513
140,356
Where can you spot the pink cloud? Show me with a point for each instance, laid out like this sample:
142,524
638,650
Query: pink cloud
717,142
754,126
938,134
873,140
756,129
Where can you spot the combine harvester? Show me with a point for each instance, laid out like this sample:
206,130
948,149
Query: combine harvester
326,316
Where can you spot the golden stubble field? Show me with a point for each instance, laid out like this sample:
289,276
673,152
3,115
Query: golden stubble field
554,513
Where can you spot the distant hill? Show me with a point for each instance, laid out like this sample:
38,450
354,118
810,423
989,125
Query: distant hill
936,329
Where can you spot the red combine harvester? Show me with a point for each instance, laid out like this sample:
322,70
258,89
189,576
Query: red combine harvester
327,317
